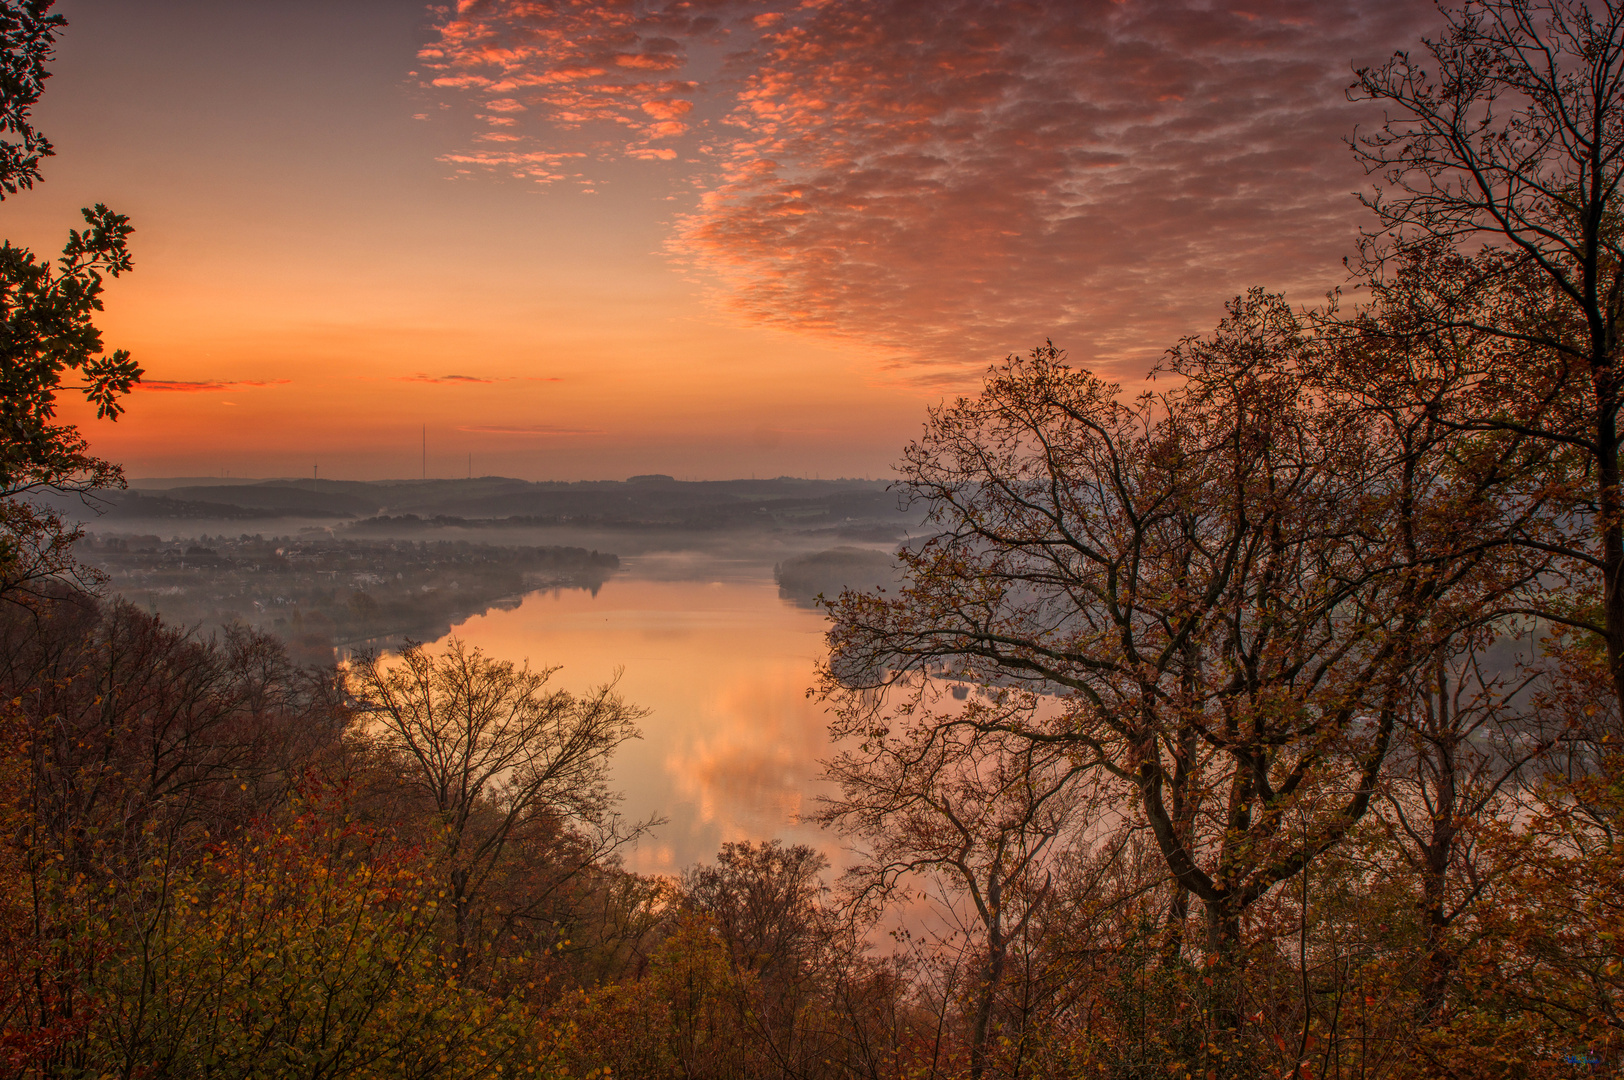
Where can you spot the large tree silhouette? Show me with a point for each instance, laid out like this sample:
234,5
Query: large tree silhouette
46,329
1500,159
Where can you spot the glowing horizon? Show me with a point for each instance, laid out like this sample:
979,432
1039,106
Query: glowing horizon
589,240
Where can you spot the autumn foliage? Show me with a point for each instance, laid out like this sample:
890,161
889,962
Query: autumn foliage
1268,723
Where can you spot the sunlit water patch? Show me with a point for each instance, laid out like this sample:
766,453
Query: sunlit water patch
731,748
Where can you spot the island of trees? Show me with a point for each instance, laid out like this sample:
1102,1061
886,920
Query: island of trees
1266,725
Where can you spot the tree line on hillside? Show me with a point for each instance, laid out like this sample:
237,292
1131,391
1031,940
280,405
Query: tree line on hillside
1266,725
318,594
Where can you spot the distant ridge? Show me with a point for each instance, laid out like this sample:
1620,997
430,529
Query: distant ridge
164,483
860,509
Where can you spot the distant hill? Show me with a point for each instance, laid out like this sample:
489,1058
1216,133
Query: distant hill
854,509
264,500
165,483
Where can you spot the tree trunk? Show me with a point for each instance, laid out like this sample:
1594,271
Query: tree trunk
1178,915
1611,525
460,910
1439,961
992,975
1224,965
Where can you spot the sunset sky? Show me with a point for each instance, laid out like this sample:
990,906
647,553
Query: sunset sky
714,239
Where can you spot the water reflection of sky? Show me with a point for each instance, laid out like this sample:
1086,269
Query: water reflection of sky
732,745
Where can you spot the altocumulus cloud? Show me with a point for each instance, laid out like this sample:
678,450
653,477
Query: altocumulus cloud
954,179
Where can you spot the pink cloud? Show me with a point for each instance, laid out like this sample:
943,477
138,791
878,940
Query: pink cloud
204,386
530,430
648,63
534,165
950,182
667,108
445,379
576,65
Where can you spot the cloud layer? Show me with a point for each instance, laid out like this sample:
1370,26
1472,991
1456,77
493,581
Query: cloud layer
954,179
541,431
473,380
204,386
452,379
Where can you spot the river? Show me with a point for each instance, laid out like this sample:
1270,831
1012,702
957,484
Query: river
732,743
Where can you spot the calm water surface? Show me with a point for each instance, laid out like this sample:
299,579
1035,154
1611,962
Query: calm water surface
731,748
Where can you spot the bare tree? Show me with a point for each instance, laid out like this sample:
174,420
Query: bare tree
1464,745
764,899
1507,131
1225,585
980,811
493,750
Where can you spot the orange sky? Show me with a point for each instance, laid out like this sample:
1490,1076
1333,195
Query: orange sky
712,238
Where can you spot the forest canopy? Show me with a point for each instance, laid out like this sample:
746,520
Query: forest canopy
1263,724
